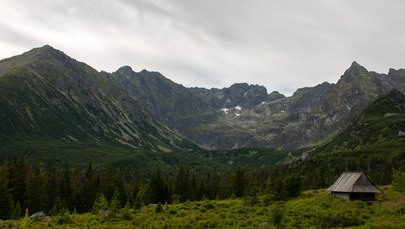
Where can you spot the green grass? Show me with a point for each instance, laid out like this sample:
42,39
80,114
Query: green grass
312,209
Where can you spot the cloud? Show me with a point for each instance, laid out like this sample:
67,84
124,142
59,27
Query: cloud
282,45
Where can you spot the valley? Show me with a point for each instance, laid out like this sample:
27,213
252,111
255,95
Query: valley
135,149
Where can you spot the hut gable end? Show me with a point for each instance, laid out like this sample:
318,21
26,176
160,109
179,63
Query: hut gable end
354,186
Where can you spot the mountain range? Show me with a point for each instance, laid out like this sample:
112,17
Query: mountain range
52,104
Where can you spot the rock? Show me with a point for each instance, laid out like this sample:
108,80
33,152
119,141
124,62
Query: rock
104,213
264,225
39,216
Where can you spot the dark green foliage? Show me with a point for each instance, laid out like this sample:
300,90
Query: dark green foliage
17,177
182,185
5,197
277,214
239,182
158,208
16,212
141,197
398,181
159,190
101,204
115,203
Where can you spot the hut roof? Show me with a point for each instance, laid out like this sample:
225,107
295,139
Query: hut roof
353,182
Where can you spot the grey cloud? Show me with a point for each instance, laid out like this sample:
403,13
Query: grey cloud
282,45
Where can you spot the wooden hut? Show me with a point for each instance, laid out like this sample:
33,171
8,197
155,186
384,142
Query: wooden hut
354,186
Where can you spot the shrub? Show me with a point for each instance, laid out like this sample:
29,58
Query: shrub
277,214
158,208
398,181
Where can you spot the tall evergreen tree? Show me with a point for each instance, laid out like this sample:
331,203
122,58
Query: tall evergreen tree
17,172
182,184
6,202
90,188
52,192
159,191
65,188
239,183
36,191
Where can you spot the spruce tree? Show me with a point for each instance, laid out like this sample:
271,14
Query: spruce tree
182,184
239,183
115,203
5,197
90,188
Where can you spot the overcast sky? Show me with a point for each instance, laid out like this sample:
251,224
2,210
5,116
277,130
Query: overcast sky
281,44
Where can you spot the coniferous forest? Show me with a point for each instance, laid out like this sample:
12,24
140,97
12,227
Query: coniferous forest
57,190
284,196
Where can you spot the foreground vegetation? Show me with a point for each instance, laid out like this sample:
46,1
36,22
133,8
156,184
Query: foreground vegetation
312,209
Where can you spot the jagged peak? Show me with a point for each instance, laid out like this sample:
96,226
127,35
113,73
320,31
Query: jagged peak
355,68
355,64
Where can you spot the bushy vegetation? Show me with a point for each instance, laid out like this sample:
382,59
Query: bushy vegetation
312,209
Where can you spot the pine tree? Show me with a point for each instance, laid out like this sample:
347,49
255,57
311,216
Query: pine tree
33,191
90,188
239,183
141,197
101,204
77,191
193,188
17,211
182,184
107,184
5,197
17,173
59,206
159,191
115,203
52,191
120,186
65,188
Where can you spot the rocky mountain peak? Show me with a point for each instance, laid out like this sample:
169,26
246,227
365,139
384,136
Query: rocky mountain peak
124,70
356,69
276,95
47,53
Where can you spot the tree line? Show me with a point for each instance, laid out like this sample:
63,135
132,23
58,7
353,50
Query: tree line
57,190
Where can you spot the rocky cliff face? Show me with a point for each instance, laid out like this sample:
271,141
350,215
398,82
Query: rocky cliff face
309,115
45,93
312,114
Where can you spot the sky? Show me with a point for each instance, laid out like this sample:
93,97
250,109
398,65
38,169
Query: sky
280,44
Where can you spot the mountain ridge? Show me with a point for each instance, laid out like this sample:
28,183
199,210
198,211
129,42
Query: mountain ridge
50,101
242,115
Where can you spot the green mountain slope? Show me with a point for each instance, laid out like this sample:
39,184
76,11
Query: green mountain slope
54,107
379,128
373,143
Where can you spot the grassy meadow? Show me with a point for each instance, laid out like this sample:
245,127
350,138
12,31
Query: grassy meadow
312,209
